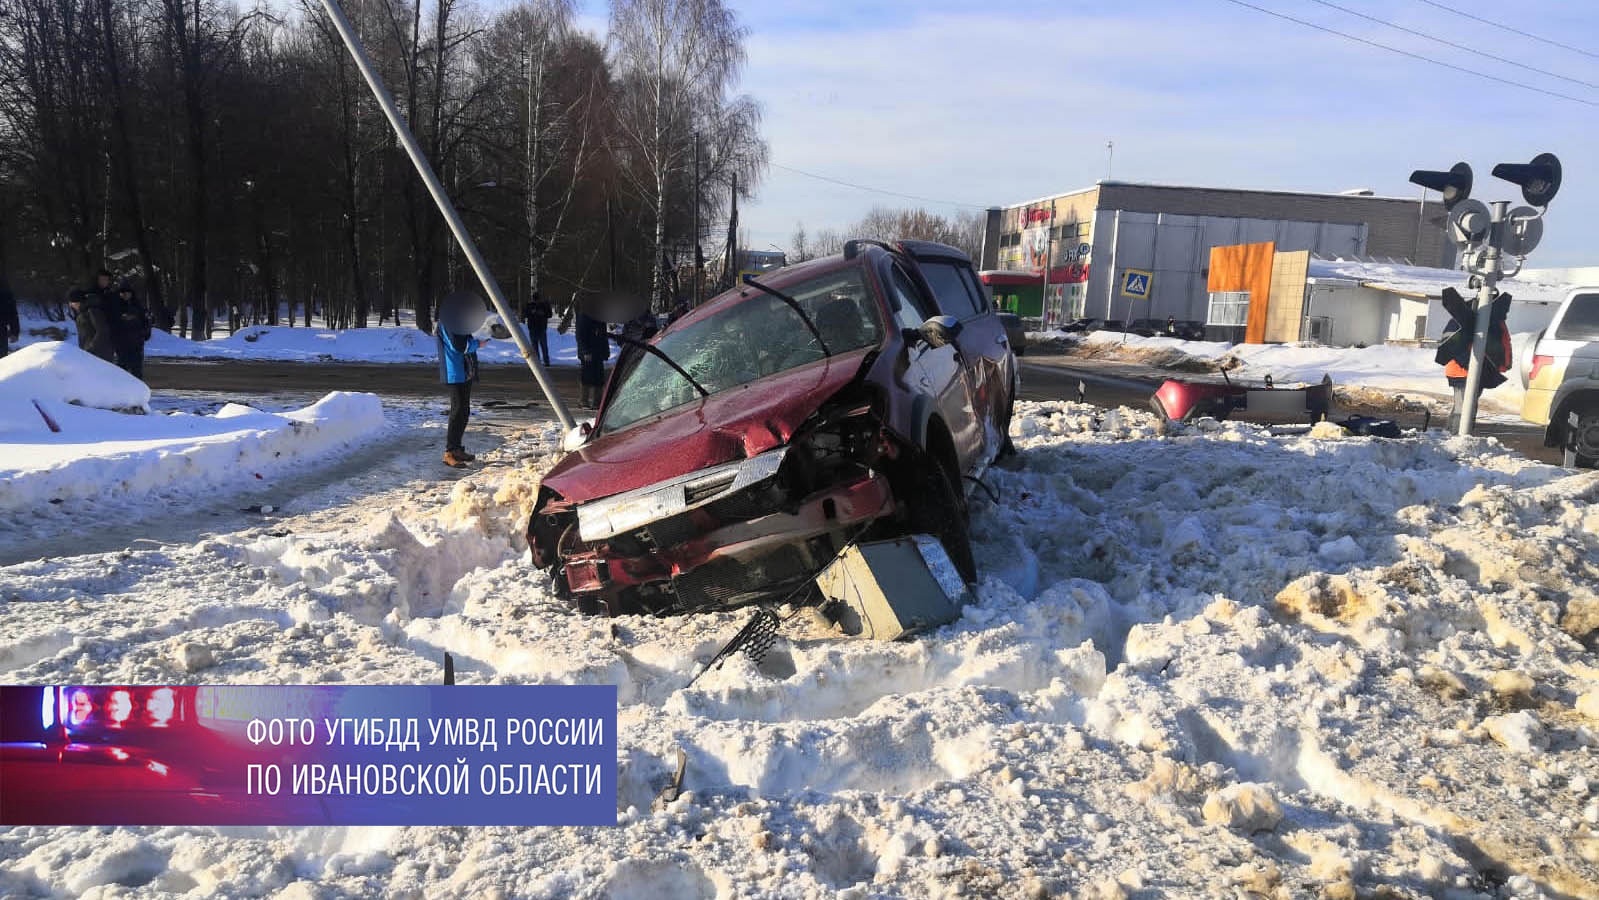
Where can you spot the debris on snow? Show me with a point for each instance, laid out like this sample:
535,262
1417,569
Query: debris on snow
1243,807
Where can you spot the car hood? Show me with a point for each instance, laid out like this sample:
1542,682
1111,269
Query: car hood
727,426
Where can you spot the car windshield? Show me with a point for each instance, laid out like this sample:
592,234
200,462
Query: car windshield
758,336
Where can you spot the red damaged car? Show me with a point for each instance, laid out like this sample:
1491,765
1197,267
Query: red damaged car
852,397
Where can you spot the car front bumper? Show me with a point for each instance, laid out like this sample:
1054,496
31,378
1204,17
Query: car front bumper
739,561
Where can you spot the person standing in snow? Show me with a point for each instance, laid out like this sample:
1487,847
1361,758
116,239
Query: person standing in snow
536,313
10,323
593,349
1171,326
91,311
130,329
460,313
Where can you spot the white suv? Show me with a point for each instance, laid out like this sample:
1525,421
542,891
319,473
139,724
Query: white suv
1561,376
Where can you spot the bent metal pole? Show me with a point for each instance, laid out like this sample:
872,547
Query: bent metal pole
447,209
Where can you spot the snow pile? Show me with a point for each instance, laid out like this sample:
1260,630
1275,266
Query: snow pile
382,344
357,345
38,380
1203,661
98,456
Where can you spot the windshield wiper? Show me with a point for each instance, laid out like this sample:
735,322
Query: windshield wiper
795,305
658,352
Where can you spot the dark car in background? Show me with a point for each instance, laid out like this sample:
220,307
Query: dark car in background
847,398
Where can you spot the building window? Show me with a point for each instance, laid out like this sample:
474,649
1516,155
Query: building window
1229,308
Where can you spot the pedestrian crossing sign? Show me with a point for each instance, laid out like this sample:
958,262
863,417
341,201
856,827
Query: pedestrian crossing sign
1137,283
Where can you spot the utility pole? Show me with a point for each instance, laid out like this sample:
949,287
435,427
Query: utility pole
1049,253
696,219
424,169
1110,157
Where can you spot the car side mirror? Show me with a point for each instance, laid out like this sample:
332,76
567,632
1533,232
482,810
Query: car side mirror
940,331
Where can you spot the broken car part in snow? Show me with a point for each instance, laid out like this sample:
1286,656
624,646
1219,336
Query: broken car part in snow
1186,399
886,590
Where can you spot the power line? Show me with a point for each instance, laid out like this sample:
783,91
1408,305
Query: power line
1510,28
862,187
1447,43
1426,59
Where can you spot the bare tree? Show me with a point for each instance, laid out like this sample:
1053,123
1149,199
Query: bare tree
799,250
677,61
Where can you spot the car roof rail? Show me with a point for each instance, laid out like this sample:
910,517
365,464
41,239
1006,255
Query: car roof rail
852,247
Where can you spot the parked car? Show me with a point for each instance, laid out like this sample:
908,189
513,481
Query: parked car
1191,329
1110,325
1561,376
850,397
1147,327
1082,325
1015,331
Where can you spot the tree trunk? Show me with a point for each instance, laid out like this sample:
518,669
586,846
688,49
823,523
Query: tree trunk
143,238
352,196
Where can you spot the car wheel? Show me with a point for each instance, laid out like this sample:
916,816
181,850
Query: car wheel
1586,440
937,508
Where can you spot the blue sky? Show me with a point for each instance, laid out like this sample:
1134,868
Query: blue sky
992,104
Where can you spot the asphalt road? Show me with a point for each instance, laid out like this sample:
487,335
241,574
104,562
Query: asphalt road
510,390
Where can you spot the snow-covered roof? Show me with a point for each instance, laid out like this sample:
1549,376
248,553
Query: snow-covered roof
1422,281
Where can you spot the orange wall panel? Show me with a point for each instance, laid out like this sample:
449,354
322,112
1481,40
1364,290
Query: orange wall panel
1245,267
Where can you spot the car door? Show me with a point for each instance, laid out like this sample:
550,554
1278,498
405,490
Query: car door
985,348
938,371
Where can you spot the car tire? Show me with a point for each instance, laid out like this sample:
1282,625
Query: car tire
937,507
1588,437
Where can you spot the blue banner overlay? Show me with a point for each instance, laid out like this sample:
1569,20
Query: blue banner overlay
308,755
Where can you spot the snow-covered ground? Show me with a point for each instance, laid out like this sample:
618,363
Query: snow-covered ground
1204,661
77,435
1387,368
383,344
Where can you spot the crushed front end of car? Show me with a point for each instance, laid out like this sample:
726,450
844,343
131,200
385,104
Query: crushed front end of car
752,529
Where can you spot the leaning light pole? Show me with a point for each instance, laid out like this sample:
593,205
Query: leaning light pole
447,209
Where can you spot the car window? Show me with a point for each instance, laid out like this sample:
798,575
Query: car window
956,295
756,337
1581,321
910,308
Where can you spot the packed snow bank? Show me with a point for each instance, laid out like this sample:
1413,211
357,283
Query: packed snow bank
363,345
37,380
314,344
1203,661
1389,369
104,456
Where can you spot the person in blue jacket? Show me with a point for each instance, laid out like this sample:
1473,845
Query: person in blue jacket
460,314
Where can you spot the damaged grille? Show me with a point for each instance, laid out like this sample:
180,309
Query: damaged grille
699,491
728,582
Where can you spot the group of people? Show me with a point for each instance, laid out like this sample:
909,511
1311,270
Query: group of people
112,323
593,346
